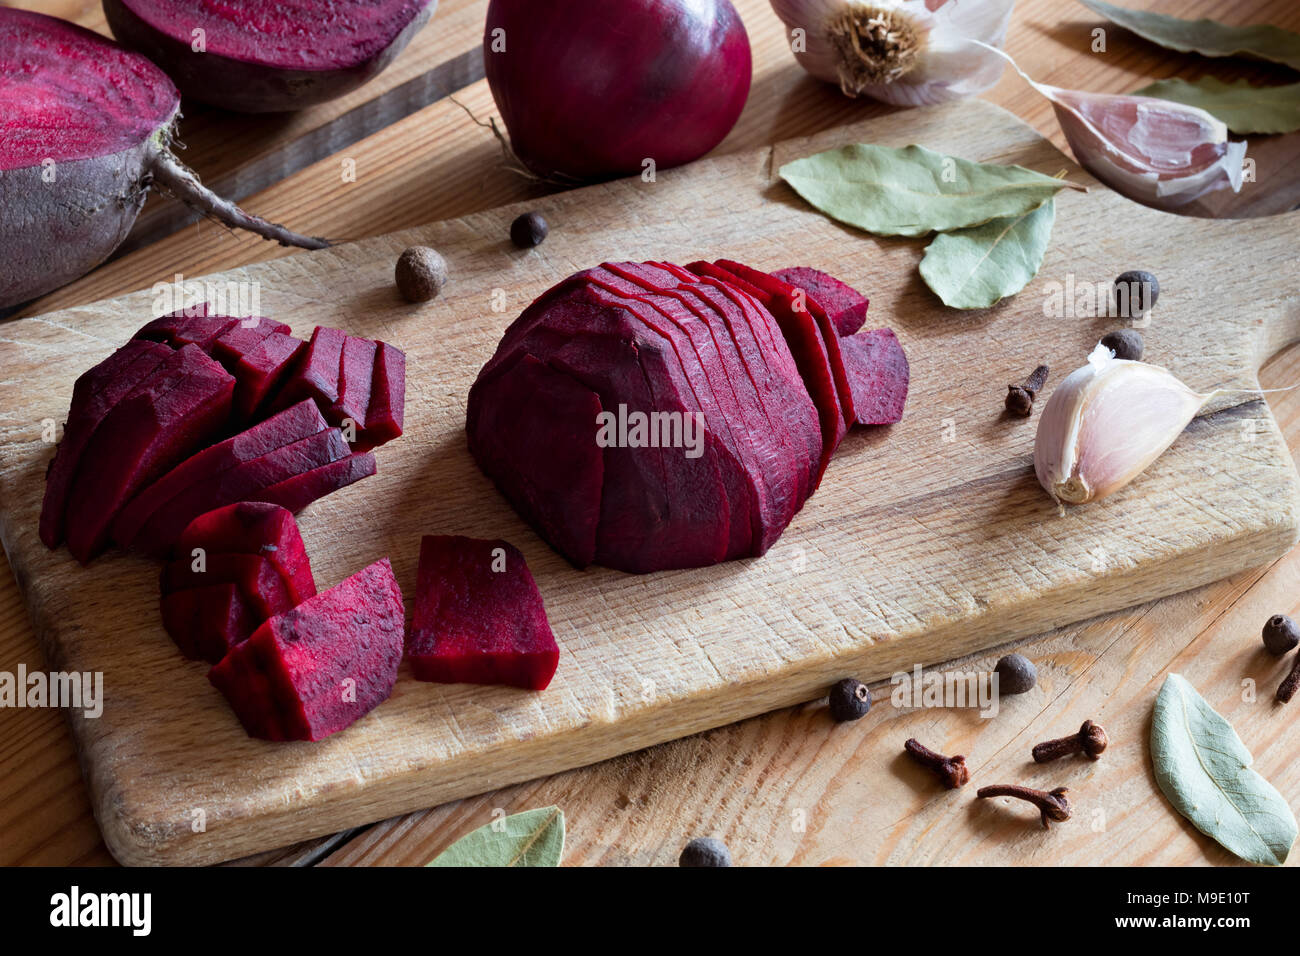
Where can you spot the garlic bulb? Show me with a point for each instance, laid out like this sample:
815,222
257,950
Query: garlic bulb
1105,423
905,52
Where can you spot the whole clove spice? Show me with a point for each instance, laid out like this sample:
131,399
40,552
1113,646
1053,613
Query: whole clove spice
951,771
1091,740
1020,398
1053,805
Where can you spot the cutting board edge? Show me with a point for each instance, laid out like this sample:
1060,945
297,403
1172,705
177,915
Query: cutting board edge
137,840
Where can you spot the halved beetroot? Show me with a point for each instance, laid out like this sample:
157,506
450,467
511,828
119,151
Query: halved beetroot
319,667
356,369
254,528
385,417
94,395
301,490
268,55
207,622
846,306
545,472
316,374
479,618
878,375
291,425
261,586
244,482
162,421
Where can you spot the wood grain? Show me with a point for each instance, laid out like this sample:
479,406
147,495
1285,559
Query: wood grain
925,542
438,164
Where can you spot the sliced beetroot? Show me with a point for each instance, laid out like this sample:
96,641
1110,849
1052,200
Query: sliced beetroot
316,374
319,667
94,395
102,116
878,375
254,528
242,337
259,371
261,586
188,327
552,476
269,55
846,306
356,370
479,618
301,490
207,622
385,416
293,424
246,481
147,432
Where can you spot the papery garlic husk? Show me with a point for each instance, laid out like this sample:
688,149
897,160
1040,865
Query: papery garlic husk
1105,423
905,52
1157,152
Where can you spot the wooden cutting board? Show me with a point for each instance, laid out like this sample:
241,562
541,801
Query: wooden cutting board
926,541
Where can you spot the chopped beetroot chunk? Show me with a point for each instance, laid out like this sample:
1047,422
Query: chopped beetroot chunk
479,617
385,417
207,622
254,528
319,667
260,583
302,489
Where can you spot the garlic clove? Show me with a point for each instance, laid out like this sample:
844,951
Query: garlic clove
1157,152
1106,423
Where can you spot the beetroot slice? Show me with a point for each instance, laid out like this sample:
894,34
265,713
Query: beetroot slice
254,528
102,116
244,336
319,667
846,306
207,622
246,481
301,490
356,369
385,416
144,435
878,375
188,327
261,586
316,374
263,56
293,424
94,395
259,371
479,618
544,473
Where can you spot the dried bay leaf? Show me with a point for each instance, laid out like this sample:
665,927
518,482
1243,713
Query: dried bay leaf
1239,106
1203,768
974,268
1206,37
531,838
914,191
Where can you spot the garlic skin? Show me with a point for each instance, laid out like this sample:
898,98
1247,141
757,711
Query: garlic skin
1105,423
905,52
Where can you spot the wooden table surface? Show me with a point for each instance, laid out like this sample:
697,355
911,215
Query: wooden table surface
788,787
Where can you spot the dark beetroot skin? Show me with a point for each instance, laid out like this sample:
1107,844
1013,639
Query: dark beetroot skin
758,358
479,618
255,528
318,668
590,89
269,55
84,129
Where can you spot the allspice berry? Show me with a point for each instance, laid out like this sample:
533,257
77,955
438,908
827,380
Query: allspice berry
529,230
421,273
1125,343
1016,674
705,851
850,700
1136,292
1280,634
